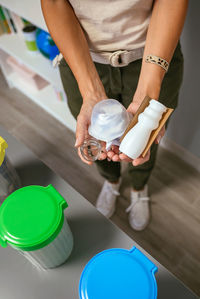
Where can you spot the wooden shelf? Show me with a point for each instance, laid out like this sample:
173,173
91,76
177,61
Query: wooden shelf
31,11
15,46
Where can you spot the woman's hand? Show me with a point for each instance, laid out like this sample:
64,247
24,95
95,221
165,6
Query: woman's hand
133,107
83,122
114,154
72,43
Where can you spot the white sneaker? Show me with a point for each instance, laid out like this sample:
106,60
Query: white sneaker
107,198
139,211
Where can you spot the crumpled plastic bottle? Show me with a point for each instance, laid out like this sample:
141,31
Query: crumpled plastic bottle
109,121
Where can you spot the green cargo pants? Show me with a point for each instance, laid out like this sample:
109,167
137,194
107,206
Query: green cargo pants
120,83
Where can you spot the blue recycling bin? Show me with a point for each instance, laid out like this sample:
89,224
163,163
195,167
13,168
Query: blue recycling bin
119,274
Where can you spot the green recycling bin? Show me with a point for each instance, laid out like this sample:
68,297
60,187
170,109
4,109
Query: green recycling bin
32,221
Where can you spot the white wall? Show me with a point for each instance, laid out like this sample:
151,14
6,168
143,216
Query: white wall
184,127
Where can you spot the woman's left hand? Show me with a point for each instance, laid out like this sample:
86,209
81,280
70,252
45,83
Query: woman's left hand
114,154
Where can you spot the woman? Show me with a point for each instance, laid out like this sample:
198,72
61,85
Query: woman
108,47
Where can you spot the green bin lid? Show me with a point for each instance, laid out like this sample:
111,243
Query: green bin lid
31,217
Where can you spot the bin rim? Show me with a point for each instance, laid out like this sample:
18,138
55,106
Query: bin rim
26,229
115,270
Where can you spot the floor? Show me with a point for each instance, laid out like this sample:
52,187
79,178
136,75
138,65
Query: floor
173,236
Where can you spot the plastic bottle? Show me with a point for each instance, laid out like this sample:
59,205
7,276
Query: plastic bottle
109,121
136,139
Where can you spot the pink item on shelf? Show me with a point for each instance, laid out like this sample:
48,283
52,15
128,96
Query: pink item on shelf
28,76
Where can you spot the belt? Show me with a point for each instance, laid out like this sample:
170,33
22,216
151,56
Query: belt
117,59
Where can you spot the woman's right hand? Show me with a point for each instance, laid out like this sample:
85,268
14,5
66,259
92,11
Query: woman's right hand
83,122
75,50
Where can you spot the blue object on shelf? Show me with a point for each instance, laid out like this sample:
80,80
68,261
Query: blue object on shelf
119,274
46,44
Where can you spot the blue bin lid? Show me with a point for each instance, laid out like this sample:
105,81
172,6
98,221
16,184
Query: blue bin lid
119,273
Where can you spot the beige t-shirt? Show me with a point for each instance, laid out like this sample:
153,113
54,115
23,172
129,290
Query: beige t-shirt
112,25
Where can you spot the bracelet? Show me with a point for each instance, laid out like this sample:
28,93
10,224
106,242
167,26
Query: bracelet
157,60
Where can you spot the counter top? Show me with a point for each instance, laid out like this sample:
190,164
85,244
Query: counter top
92,233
